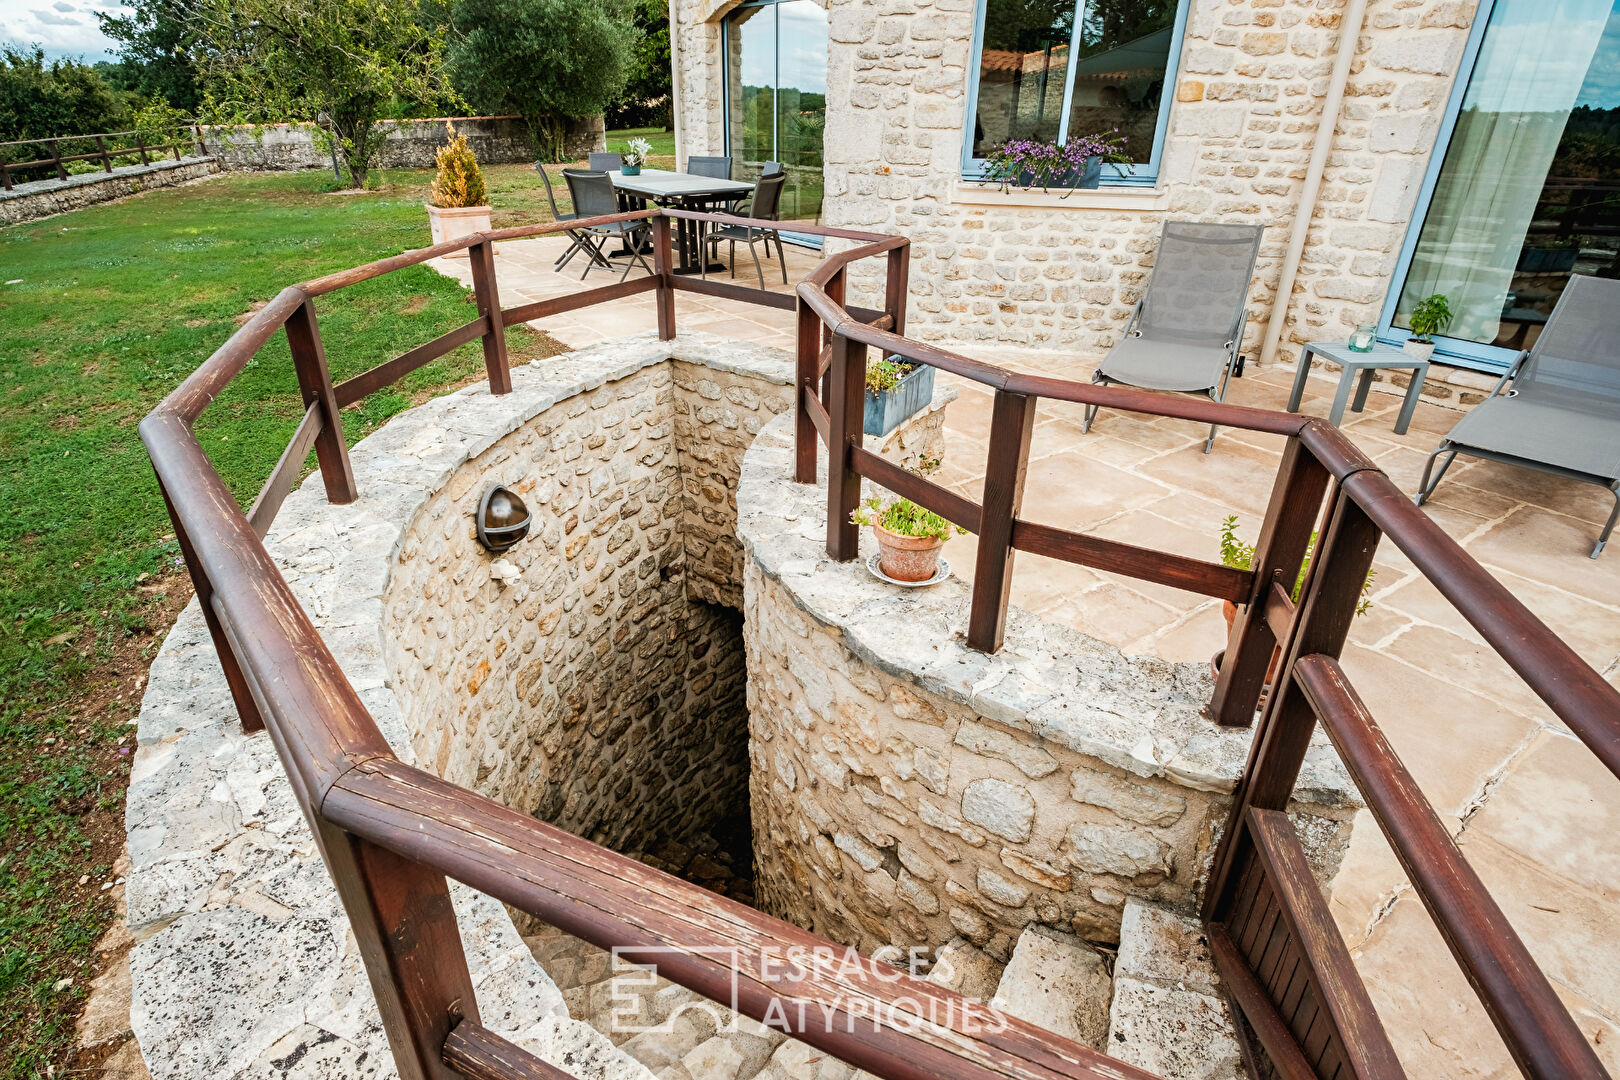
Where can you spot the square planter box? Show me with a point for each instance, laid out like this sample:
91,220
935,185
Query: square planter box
452,223
885,411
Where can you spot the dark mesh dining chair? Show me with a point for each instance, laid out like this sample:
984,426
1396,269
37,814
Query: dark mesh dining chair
763,204
594,196
579,241
717,167
606,162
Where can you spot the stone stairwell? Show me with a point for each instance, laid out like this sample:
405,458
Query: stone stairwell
1154,1004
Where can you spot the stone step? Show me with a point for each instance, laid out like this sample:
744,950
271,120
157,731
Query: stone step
1168,1015
1058,982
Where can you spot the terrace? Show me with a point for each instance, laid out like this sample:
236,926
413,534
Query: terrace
1487,710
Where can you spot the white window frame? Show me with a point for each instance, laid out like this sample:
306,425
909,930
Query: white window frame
1142,174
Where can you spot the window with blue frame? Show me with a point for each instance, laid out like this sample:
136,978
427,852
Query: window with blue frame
1048,69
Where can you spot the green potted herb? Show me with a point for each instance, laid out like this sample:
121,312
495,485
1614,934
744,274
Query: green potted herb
1431,316
1239,555
909,537
895,390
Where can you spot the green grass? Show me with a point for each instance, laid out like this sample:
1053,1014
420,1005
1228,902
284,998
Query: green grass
111,308
663,142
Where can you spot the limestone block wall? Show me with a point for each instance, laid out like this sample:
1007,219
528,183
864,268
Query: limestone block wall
907,789
409,144
42,198
1004,269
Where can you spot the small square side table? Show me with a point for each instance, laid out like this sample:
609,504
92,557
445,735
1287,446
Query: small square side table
1382,356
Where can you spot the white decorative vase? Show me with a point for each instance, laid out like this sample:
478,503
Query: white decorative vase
1418,350
454,222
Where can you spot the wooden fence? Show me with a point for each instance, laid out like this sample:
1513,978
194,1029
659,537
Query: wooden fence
390,833
109,145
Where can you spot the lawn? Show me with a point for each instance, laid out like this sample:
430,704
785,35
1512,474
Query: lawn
102,312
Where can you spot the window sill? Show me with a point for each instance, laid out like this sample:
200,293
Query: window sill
1120,197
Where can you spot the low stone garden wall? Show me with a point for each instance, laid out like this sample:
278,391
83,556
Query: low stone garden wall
42,198
407,144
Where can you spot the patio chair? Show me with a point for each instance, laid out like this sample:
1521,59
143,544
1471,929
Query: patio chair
761,204
605,162
1562,414
1186,330
717,167
579,242
594,197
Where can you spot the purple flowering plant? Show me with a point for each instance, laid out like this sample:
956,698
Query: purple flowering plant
1048,165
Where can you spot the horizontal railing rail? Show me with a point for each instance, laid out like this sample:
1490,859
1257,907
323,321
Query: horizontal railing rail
390,834
123,144
1282,960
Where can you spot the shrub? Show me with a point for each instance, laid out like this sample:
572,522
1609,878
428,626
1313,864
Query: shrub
1239,555
459,183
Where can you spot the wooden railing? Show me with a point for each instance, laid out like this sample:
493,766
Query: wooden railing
109,145
390,833
1275,943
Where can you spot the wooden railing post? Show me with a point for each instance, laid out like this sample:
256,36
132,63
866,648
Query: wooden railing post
1296,499
106,158
485,292
56,159
804,386
835,293
247,710
896,286
1012,425
315,383
666,289
1328,603
5,175
405,927
140,146
846,409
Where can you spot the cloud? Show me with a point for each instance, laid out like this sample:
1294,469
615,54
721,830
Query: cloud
57,32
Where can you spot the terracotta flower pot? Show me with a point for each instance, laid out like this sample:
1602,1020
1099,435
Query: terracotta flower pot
1229,609
907,558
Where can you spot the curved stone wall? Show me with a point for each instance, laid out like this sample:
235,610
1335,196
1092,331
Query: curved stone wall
907,789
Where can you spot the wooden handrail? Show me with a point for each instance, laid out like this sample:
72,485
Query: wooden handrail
1538,1030
389,833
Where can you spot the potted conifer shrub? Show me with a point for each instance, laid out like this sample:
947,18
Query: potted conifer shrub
909,537
1431,316
458,205
895,389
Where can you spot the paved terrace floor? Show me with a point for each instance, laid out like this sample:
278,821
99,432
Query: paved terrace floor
1534,812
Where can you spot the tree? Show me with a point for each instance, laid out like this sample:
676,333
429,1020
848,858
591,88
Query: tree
155,57
649,93
339,61
39,100
547,60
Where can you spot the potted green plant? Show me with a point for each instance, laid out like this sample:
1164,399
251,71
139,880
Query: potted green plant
1431,316
1239,555
634,157
1031,163
458,206
909,537
895,389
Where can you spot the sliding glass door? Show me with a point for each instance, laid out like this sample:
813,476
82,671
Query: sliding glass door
776,98
1526,191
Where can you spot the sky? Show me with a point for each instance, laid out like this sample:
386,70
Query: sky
60,27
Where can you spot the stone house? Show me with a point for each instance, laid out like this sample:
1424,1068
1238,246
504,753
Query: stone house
1391,148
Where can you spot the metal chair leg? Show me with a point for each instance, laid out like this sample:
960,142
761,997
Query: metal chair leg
760,270
1425,485
781,256
1614,516
1097,379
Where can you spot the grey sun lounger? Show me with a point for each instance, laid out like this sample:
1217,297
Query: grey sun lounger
1562,415
1185,332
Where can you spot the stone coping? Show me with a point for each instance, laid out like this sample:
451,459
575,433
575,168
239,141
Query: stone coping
1140,714
120,172
244,964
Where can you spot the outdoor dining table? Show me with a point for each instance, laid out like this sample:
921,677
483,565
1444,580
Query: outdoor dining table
686,192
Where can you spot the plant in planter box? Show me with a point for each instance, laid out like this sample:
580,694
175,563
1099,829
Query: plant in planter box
635,156
1239,555
895,389
909,537
1029,163
459,203
1431,316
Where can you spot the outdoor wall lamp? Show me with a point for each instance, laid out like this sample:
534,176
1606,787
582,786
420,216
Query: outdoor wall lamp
502,519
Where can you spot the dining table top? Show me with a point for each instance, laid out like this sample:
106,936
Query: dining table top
663,184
